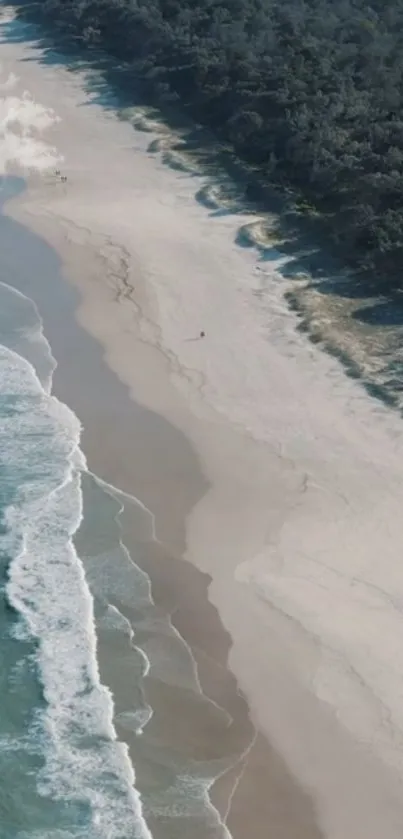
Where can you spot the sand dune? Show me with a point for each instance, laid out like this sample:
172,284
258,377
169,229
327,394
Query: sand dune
178,161
159,144
259,233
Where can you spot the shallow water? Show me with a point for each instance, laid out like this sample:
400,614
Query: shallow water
57,718
154,676
94,678
152,762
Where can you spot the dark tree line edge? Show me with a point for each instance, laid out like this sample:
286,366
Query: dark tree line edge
308,91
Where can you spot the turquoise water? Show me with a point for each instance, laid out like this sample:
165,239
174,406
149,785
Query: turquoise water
64,773
77,620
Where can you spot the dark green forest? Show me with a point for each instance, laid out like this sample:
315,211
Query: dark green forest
308,91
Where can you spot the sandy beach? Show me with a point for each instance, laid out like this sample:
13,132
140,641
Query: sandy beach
147,457
275,482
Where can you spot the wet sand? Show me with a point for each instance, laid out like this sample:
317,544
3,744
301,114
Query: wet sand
275,482
139,452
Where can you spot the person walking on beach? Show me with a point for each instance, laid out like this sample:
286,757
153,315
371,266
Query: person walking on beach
201,334
58,174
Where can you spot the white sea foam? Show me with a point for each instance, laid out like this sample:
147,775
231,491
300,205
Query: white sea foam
21,329
41,463
333,568
169,659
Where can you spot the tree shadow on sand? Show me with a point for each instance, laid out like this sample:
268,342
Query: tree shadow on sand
278,230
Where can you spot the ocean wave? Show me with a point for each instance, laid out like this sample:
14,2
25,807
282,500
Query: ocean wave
41,464
179,793
21,330
85,768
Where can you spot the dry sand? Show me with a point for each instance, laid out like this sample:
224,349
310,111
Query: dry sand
297,518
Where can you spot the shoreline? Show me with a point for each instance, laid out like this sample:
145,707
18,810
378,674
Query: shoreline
266,487
253,793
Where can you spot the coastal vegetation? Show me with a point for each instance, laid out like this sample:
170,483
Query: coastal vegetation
308,92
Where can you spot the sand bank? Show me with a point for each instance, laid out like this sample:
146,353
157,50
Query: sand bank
297,517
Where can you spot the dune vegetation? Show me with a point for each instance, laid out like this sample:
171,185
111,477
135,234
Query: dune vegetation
309,92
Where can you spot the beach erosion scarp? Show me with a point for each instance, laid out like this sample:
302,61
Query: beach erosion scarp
299,522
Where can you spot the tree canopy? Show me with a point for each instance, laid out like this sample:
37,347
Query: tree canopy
310,91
